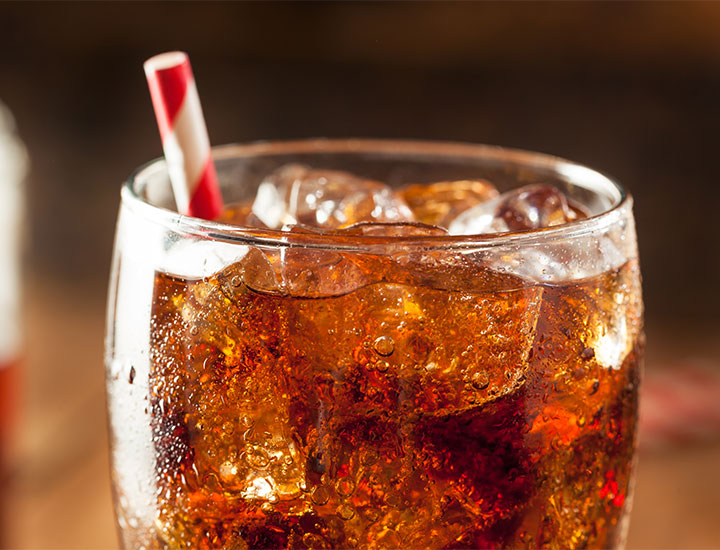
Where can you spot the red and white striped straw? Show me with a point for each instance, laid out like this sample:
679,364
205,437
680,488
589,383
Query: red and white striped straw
184,135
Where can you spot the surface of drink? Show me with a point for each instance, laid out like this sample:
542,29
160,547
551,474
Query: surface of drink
402,394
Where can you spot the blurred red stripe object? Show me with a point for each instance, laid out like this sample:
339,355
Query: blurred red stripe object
679,405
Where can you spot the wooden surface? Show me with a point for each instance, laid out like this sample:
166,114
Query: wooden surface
60,496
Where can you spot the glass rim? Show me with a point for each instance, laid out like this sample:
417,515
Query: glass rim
244,235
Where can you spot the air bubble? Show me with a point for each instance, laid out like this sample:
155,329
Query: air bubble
382,366
384,346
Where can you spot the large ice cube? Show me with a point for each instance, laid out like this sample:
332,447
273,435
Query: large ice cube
295,194
439,203
530,207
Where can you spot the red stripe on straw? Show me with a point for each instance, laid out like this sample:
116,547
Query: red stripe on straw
206,202
168,88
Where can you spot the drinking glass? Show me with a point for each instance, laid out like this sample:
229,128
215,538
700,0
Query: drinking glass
387,386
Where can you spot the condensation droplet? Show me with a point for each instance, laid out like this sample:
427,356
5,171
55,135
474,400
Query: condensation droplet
371,515
384,345
382,366
236,281
369,457
313,541
320,495
258,459
345,512
480,380
246,421
344,487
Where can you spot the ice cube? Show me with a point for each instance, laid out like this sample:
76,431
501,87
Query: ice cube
316,271
529,207
327,199
439,203
479,219
535,206
421,263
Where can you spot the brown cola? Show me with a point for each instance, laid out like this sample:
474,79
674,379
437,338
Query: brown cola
435,403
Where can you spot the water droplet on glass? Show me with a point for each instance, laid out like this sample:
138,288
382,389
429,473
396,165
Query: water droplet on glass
131,377
344,487
320,495
246,421
371,515
480,380
384,346
345,512
313,541
382,366
258,459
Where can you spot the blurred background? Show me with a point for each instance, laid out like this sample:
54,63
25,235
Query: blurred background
632,89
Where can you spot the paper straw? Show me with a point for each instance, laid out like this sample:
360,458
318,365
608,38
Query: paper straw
184,135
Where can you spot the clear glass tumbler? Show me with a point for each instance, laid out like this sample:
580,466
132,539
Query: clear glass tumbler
386,387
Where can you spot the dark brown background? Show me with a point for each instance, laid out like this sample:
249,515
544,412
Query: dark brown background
632,89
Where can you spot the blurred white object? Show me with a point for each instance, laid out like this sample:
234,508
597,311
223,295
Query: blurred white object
13,167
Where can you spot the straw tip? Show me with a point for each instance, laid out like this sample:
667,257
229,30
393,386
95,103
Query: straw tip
166,60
